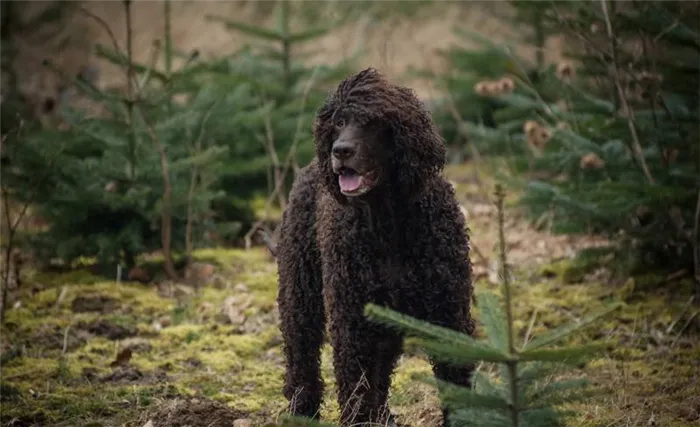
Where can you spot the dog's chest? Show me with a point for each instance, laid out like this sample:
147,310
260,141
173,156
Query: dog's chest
377,242
384,242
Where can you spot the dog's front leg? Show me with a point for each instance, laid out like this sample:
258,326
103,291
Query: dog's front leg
362,389
301,308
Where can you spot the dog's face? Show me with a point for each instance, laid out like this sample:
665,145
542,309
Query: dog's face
358,154
376,139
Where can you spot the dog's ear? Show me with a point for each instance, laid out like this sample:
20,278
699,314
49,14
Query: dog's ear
324,134
419,150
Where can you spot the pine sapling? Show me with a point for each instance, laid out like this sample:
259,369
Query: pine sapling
521,394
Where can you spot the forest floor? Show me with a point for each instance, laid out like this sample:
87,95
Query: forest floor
79,350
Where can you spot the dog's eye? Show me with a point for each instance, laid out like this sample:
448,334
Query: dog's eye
340,123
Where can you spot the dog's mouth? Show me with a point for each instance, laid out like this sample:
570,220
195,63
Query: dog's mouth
353,183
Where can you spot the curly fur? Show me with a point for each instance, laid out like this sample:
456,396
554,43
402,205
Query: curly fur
403,246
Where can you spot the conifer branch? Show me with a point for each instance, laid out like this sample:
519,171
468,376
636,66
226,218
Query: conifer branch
104,25
511,365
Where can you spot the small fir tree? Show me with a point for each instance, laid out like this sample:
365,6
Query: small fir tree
609,135
140,176
288,91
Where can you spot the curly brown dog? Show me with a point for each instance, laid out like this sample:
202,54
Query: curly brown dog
369,220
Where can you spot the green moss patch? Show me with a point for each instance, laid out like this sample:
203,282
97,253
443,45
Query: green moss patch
62,347
85,351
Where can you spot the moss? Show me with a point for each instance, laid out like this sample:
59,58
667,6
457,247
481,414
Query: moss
81,406
641,373
254,268
569,270
29,370
642,384
258,386
258,204
79,276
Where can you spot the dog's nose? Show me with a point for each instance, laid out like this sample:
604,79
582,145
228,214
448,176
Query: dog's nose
343,150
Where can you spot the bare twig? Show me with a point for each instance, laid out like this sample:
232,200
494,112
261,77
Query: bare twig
623,98
288,163
168,39
8,252
696,249
526,79
166,217
12,226
680,315
193,184
129,48
190,196
685,325
130,101
272,152
475,250
104,25
472,147
154,59
65,340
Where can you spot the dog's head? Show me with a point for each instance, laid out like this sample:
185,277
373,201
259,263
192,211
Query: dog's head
372,136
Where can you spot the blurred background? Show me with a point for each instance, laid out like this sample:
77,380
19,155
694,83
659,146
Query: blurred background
137,134
230,90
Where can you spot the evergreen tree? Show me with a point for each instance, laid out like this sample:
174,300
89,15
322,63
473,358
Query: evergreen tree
610,135
140,176
181,153
288,91
276,65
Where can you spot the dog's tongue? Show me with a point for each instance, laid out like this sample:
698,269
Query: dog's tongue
349,182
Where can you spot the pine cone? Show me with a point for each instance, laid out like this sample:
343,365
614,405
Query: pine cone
592,161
